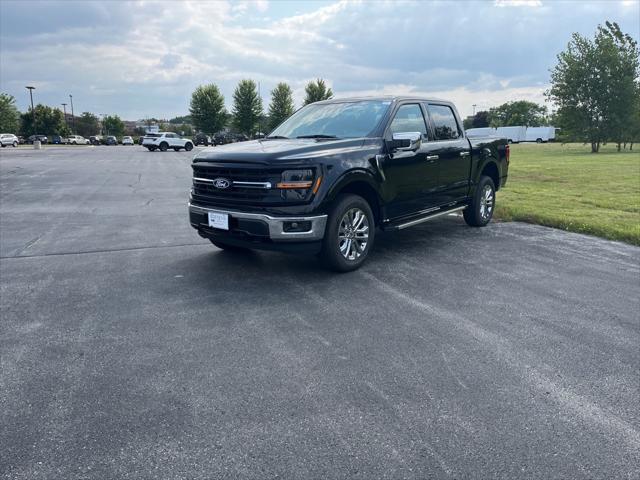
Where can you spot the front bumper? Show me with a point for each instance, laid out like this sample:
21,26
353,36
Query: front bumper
259,226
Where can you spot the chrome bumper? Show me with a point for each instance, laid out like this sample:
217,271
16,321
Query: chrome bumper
275,224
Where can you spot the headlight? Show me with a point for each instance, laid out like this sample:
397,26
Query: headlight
296,179
295,184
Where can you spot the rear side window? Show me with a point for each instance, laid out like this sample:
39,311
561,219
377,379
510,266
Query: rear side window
409,118
444,122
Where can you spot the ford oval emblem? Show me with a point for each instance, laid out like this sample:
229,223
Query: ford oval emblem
221,183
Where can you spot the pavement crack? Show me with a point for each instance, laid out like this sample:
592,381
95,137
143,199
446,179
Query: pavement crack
29,244
108,250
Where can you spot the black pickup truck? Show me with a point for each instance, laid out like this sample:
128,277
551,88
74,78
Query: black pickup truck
336,170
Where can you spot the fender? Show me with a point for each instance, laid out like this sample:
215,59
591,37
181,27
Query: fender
350,177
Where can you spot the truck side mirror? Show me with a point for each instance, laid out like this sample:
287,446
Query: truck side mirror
405,141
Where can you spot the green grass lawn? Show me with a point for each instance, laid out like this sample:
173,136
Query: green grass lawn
567,187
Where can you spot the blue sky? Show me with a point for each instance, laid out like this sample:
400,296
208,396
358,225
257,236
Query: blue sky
144,58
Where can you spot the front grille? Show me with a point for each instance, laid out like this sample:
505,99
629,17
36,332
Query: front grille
205,193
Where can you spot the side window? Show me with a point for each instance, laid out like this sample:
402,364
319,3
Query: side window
444,122
409,118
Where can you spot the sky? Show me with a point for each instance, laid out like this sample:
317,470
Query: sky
143,59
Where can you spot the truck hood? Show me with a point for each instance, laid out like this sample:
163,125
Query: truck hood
272,151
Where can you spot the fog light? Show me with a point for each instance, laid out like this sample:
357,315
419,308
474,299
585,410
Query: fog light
296,227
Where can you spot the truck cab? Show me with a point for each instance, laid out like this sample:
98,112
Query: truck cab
337,170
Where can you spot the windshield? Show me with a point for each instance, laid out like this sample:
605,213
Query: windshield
334,120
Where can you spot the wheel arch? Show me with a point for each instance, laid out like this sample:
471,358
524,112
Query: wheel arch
360,183
491,170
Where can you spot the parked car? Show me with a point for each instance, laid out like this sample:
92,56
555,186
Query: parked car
336,170
7,139
540,134
21,140
165,140
58,140
127,140
78,140
202,139
42,138
95,139
223,138
110,140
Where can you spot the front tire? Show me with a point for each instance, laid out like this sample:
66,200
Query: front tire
188,146
15,144
349,234
480,210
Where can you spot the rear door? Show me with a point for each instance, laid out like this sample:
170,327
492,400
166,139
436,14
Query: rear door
453,152
410,177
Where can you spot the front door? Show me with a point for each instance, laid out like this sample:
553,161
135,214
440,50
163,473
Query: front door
410,177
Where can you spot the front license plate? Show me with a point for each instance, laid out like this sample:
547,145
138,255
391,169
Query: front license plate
219,220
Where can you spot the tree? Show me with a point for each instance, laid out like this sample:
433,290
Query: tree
520,112
281,106
207,109
625,68
247,107
87,124
595,85
9,114
113,125
316,91
49,121
479,120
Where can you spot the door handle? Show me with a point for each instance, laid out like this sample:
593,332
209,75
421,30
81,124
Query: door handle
432,158
464,154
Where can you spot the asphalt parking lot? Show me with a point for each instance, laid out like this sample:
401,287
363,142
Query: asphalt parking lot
132,348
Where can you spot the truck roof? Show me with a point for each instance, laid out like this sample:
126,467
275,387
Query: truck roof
382,98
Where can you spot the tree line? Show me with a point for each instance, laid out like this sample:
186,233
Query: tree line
45,120
595,87
208,112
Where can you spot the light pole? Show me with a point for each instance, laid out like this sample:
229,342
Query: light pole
474,108
64,106
33,112
73,118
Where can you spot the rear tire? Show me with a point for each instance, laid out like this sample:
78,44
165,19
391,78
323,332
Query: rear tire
227,247
538,140
164,146
480,210
349,234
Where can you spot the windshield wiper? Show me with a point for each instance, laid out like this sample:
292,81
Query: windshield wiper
277,137
316,136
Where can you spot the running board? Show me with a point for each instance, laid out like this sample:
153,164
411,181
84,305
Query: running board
426,218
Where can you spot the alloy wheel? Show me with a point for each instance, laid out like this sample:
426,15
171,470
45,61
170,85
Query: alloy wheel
353,234
487,198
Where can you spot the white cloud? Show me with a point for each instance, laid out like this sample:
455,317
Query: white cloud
144,58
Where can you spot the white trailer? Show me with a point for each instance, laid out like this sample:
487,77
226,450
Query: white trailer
512,134
481,132
540,134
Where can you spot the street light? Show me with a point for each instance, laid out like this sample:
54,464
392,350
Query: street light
64,106
33,112
73,118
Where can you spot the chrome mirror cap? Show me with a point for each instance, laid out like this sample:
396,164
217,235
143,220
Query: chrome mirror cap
407,141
